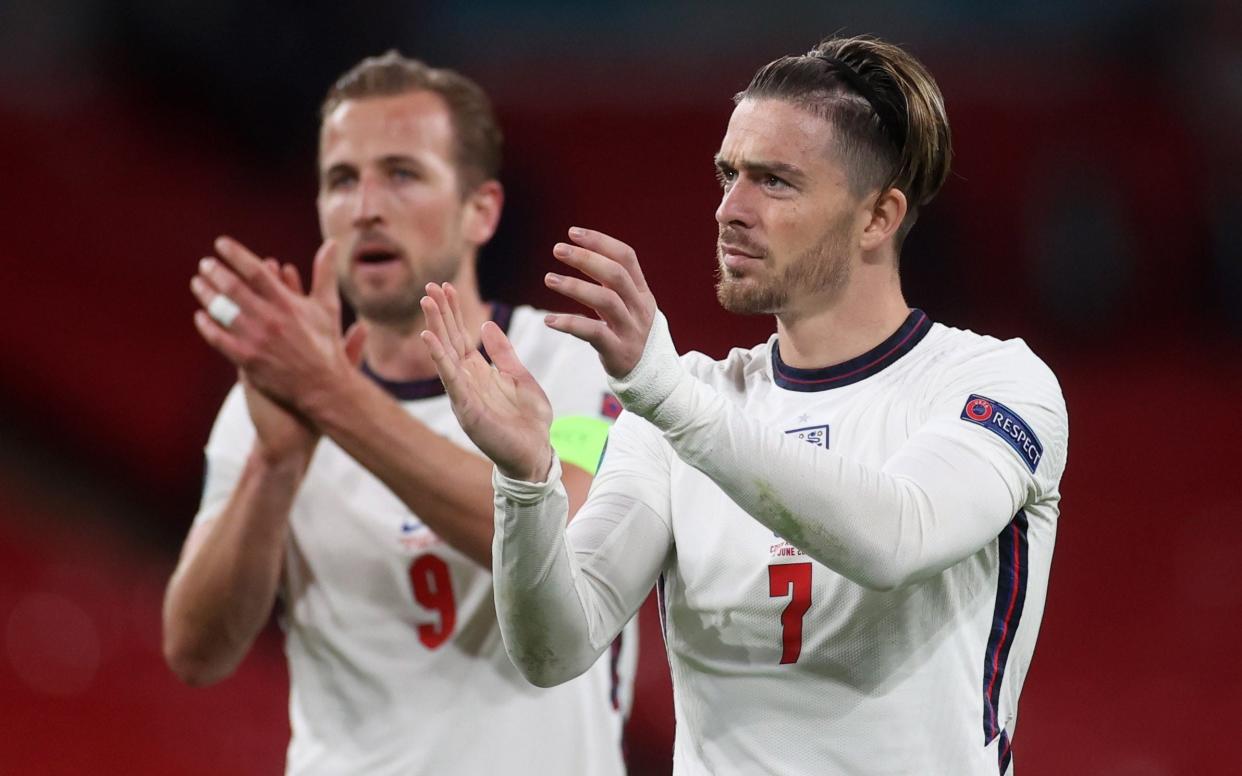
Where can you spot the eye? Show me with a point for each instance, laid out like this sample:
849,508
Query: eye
403,174
725,176
336,180
773,182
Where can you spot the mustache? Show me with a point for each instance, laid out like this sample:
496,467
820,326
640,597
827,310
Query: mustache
373,237
735,238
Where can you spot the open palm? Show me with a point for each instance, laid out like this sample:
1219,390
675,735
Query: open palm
499,405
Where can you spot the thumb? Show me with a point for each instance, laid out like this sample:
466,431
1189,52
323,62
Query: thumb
355,340
501,352
323,276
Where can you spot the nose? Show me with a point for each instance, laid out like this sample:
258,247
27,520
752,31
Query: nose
367,210
736,206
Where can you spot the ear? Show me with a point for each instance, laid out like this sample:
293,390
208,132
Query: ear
482,212
887,213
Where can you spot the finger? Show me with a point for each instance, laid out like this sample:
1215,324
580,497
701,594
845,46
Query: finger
456,322
593,332
446,365
287,273
272,265
293,278
457,381
599,267
454,300
355,340
206,293
323,276
604,301
453,336
432,314
248,267
221,279
613,248
203,291
219,338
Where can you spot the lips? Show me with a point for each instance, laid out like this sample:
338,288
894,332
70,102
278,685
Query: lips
734,250
374,250
375,257
735,258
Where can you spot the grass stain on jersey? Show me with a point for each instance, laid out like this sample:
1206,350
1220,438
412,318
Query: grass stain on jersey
776,515
773,513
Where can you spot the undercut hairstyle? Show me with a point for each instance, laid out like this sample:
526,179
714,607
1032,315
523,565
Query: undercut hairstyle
891,129
476,132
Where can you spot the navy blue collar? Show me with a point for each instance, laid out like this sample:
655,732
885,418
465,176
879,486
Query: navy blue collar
874,361
410,390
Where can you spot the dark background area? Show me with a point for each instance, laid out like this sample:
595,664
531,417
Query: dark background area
1095,210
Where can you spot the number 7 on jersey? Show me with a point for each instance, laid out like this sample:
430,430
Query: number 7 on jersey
793,580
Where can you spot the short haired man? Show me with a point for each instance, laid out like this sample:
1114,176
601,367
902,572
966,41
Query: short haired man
378,539
850,525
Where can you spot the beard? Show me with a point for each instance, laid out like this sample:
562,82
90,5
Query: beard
397,305
822,271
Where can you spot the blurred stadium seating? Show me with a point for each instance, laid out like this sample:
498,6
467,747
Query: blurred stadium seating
1093,212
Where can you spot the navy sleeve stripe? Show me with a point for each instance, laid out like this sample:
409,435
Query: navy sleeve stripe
1004,752
1006,614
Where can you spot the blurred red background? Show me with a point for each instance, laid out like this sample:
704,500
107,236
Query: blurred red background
1095,212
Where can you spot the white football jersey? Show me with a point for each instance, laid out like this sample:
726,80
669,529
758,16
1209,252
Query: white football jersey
395,658
781,665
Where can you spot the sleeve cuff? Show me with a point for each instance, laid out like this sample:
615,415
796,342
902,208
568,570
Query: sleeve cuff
524,491
656,374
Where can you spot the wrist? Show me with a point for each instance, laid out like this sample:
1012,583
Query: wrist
286,462
523,491
536,470
323,399
654,377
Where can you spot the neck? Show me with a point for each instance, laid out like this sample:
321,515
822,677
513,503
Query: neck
823,333
396,352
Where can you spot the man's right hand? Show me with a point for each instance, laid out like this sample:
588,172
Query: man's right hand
282,434
289,343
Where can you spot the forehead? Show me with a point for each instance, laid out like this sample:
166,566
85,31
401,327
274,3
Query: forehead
769,130
412,124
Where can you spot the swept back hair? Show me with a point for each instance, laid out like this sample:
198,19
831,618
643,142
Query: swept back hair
891,129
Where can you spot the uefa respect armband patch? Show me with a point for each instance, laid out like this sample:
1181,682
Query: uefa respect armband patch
1007,425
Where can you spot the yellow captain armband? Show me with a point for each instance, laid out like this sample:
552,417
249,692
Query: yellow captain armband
579,439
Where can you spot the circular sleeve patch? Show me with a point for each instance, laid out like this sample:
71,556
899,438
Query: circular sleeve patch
579,439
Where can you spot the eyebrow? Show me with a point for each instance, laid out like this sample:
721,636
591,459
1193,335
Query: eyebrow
392,159
762,167
388,160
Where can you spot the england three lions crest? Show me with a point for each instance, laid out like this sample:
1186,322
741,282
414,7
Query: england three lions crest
815,435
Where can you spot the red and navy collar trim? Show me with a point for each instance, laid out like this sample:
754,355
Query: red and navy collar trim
410,390
876,360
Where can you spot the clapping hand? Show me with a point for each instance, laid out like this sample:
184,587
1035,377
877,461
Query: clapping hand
499,405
